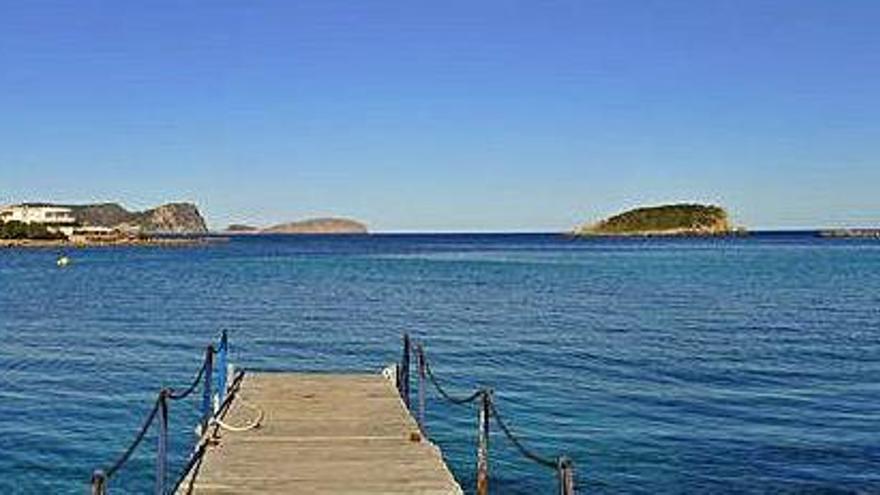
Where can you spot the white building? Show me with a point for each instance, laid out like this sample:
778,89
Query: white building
57,218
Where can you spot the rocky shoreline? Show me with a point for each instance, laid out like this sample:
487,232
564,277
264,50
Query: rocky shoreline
148,242
851,233
735,232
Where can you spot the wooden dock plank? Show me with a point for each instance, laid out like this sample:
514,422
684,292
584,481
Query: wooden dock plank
322,433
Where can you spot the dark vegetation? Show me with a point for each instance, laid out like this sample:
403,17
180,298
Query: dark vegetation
691,217
20,230
103,214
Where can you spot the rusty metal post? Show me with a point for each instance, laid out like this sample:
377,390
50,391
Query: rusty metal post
403,382
99,482
421,364
566,476
483,444
162,444
207,395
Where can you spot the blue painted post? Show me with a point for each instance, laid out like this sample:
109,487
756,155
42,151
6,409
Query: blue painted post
404,371
207,396
162,444
221,367
421,356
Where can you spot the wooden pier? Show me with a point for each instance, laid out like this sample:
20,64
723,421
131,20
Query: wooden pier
319,433
315,433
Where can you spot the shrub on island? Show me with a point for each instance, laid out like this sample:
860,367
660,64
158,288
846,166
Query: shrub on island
16,230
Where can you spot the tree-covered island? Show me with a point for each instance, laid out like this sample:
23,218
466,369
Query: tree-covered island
676,219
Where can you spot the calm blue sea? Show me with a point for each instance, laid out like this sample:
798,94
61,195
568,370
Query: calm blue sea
747,365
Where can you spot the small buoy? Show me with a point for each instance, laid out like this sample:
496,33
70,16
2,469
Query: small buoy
63,261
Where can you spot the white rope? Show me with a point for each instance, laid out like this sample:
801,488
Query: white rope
247,427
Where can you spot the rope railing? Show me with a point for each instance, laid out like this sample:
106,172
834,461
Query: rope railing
204,377
134,444
459,401
207,436
217,401
175,395
488,409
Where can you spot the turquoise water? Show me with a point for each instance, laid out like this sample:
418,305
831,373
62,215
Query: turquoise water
660,366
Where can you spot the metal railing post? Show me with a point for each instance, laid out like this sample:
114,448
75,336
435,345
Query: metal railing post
207,395
483,444
404,371
221,368
566,476
421,357
99,482
162,444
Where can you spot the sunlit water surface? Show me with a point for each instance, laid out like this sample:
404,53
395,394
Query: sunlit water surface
660,366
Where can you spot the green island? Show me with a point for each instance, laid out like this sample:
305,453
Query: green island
664,220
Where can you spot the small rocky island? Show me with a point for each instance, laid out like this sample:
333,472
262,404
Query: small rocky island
310,226
664,220
238,228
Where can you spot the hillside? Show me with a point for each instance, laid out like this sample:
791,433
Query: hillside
177,218
677,219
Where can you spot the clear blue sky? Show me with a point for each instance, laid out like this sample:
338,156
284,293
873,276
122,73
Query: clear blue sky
455,115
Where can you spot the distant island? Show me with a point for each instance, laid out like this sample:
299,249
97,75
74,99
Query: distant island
237,228
664,220
310,226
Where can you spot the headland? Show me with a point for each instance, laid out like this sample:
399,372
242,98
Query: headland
103,224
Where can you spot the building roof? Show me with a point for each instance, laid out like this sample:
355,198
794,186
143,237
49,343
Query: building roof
40,205
36,205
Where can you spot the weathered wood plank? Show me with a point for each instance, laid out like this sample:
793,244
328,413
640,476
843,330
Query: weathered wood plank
322,433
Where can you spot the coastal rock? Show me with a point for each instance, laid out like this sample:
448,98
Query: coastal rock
318,226
664,220
176,218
